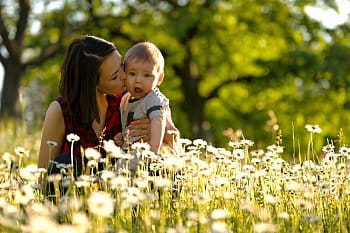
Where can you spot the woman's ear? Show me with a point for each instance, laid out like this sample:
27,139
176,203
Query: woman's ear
160,78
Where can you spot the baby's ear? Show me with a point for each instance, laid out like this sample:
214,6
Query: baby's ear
160,78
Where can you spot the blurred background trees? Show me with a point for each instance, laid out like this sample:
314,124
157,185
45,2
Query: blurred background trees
263,67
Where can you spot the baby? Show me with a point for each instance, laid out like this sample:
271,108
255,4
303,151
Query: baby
144,69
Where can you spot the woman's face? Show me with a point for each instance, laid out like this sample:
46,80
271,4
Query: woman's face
112,75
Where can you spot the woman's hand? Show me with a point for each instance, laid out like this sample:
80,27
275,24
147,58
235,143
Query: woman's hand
118,139
141,128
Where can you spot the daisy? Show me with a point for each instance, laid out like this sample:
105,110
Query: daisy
257,153
92,154
73,137
51,143
140,146
219,227
24,195
313,128
199,142
265,228
112,150
328,148
246,142
101,204
238,154
219,214
185,141
20,151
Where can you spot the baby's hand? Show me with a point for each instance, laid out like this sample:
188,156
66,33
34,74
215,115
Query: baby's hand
118,139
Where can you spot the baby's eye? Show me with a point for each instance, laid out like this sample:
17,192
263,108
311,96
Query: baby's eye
148,75
131,73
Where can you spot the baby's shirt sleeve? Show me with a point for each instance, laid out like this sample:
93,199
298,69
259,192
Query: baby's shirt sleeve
156,105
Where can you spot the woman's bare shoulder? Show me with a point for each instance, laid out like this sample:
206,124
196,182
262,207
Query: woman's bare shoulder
54,112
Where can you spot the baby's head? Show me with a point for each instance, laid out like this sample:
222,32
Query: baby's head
144,68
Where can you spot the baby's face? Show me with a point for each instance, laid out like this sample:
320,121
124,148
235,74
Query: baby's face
141,78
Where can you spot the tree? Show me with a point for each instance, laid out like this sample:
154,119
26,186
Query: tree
13,48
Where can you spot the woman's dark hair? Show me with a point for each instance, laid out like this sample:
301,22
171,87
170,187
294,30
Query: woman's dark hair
80,75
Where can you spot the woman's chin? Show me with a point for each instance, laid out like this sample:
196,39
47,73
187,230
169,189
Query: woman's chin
121,90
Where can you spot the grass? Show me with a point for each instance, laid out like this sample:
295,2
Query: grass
14,134
203,189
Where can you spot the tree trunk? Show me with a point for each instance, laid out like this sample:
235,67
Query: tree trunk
10,91
193,104
194,107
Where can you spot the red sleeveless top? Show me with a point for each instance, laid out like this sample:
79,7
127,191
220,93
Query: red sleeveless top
88,137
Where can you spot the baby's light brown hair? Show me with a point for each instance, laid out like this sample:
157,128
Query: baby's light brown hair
146,52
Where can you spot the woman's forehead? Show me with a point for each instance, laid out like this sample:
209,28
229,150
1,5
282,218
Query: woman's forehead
111,63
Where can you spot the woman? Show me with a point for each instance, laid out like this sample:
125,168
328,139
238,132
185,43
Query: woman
92,80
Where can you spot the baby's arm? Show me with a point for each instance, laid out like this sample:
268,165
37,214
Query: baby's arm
158,124
156,108
172,135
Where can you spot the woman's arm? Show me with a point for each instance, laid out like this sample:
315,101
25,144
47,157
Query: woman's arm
52,130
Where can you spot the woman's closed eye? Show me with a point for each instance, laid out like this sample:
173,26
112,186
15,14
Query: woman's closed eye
115,75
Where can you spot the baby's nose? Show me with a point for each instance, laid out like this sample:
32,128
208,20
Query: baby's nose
138,78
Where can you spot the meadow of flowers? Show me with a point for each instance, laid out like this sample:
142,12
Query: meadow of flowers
202,189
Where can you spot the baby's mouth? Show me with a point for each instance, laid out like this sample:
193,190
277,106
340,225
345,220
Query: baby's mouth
138,90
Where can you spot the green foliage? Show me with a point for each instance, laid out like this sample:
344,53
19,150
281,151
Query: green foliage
229,64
